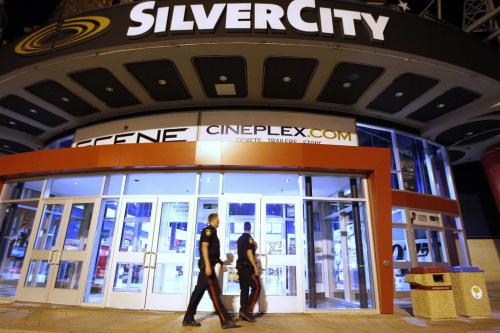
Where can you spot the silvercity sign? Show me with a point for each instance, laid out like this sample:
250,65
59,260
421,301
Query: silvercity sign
304,16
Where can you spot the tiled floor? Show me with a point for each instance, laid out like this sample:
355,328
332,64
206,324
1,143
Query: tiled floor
19,317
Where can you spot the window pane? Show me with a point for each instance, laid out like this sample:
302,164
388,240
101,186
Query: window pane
78,227
129,278
400,279
265,184
113,185
38,271
169,279
333,186
68,275
137,227
173,227
160,183
17,221
413,168
422,245
438,246
49,227
398,216
280,237
209,183
400,251
99,266
74,186
23,190
280,281
370,137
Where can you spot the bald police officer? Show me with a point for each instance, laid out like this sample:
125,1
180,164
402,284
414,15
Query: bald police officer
209,257
248,272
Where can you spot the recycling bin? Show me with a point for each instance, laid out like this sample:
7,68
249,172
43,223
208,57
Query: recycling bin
469,290
431,293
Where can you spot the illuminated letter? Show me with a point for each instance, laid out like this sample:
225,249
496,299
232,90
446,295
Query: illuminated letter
347,17
178,23
138,15
204,21
238,16
294,12
268,15
326,21
161,19
376,27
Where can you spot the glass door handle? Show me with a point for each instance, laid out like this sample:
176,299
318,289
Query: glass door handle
51,254
152,262
144,259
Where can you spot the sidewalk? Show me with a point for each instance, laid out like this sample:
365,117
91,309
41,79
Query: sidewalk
22,317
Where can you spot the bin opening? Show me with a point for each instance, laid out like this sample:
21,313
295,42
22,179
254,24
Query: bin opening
438,277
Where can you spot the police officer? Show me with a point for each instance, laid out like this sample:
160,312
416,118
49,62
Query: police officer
248,272
209,257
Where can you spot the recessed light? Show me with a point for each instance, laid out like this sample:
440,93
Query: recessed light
440,106
75,183
209,180
346,84
287,180
399,94
469,133
162,82
223,78
12,122
353,76
33,111
287,79
109,89
136,180
65,99
6,146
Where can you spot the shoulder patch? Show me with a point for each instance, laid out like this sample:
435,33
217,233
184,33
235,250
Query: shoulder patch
250,240
208,232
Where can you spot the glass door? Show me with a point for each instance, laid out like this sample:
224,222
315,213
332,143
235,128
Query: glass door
279,247
132,254
60,252
169,266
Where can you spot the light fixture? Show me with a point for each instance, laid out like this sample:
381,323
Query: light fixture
6,146
440,106
287,180
12,122
75,183
286,79
162,82
353,76
33,111
399,94
109,89
136,180
65,99
209,179
223,78
469,133
346,84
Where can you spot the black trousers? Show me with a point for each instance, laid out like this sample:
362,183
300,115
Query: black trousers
212,285
248,280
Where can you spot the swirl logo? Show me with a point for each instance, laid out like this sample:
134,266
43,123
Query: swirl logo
59,35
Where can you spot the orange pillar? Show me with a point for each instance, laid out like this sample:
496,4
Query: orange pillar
491,165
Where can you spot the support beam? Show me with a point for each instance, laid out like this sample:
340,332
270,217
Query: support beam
483,19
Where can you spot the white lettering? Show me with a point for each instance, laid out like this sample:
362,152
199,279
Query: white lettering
268,15
161,19
347,17
377,27
178,20
238,16
138,15
204,21
294,13
326,21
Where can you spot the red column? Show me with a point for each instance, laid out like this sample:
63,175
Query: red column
491,165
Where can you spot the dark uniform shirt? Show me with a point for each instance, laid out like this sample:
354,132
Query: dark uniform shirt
209,235
245,243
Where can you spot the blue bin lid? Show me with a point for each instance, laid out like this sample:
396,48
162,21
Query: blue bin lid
465,269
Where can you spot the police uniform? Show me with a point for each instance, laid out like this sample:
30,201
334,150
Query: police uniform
210,283
246,274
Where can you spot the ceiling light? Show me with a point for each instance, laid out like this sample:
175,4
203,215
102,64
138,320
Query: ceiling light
208,180
6,146
65,99
162,82
346,84
33,111
109,89
75,183
12,122
469,133
136,180
287,180
287,79
223,78
440,106
353,76
399,94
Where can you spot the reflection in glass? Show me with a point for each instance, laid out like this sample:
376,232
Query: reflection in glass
129,278
265,184
398,216
38,272
74,186
438,246
99,266
209,183
231,281
280,229
78,227
422,245
113,185
17,221
334,186
160,183
280,281
137,227
173,227
237,215
413,168
169,279
68,275
400,279
49,227
374,137
400,251
23,190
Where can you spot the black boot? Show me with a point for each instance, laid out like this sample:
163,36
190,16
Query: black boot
190,322
229,324
246,316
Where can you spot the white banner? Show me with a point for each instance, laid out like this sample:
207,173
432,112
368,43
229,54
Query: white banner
231,133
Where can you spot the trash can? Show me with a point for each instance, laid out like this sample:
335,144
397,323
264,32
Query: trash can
431,293
469,289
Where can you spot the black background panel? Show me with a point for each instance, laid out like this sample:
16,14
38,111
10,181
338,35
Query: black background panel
401,92
29,110
58,95
348,82
480,137
222,71
19,125
455,155
10,147
160,78
447,102
287,78
105,86
462,132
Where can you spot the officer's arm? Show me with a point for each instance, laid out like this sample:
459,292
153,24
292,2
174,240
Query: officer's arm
251,257
204,254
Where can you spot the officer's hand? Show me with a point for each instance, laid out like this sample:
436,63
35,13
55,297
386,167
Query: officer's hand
208,271
224,268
